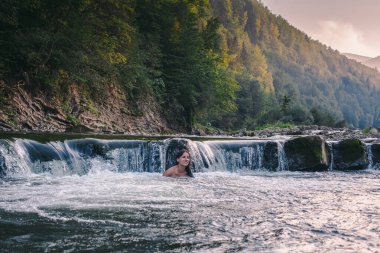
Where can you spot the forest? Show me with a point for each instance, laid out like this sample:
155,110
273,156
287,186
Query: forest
227,64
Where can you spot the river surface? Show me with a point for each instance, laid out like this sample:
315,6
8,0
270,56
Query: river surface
258,211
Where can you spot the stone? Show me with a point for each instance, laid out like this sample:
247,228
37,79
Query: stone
270,158
2,166
375,148
309,153
373,131
350,154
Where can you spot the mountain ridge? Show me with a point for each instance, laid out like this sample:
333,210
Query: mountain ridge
372,62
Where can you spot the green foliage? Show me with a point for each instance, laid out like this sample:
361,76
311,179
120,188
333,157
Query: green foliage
311,74
366,130
196,85
351,149
229,63
74,120
166,48
285,103
276,125
86,39
322,117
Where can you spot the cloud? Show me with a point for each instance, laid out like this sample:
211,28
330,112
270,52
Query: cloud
343,37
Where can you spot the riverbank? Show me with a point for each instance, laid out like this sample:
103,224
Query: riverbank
328,133
22,112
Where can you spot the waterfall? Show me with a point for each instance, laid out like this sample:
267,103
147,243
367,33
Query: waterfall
157,156
232,156
330,145
75,156
369,155
81,156
282,161
89,155
13,159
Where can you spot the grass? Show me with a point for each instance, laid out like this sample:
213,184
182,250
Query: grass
276,125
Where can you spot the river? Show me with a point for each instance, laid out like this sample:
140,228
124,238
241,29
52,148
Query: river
108,209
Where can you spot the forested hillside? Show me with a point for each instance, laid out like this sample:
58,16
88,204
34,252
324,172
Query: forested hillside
229,64
312,83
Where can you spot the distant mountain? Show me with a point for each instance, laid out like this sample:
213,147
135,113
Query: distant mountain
356,57
368,61
374,63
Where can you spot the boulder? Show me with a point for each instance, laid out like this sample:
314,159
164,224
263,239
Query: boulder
2,166
373,131
270,158
350,154
375,148
308,153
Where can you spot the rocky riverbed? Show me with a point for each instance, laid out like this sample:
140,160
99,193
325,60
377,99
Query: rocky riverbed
329,133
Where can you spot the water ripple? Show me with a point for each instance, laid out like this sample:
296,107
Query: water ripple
214,212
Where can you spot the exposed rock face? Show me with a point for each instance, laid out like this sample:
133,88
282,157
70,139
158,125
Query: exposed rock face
270,159
350,154
307,154
74,113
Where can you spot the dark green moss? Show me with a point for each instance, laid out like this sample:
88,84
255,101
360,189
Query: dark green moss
270,159
306,154
375,153
308,147
351,149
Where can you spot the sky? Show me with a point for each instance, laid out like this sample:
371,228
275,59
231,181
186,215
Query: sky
350,26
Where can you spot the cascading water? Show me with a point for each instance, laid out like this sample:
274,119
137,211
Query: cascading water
80,156
369,155
330,146
283,163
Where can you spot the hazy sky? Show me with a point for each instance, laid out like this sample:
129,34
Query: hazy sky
350,26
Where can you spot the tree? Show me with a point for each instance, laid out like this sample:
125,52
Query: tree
285,103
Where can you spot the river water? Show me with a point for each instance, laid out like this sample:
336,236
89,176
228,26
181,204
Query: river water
255,211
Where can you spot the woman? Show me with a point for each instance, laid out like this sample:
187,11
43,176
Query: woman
182,169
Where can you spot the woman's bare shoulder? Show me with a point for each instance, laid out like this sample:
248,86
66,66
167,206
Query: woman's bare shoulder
170,172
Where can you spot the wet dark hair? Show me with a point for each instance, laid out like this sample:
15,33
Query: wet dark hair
179,154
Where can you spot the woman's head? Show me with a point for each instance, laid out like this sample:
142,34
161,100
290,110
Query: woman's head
183,158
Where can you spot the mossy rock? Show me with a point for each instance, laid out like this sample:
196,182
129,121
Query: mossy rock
375,148
308,153
350,154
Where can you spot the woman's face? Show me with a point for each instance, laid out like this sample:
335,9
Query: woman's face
184,159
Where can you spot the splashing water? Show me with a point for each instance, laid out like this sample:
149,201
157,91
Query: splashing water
97,195
218,211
